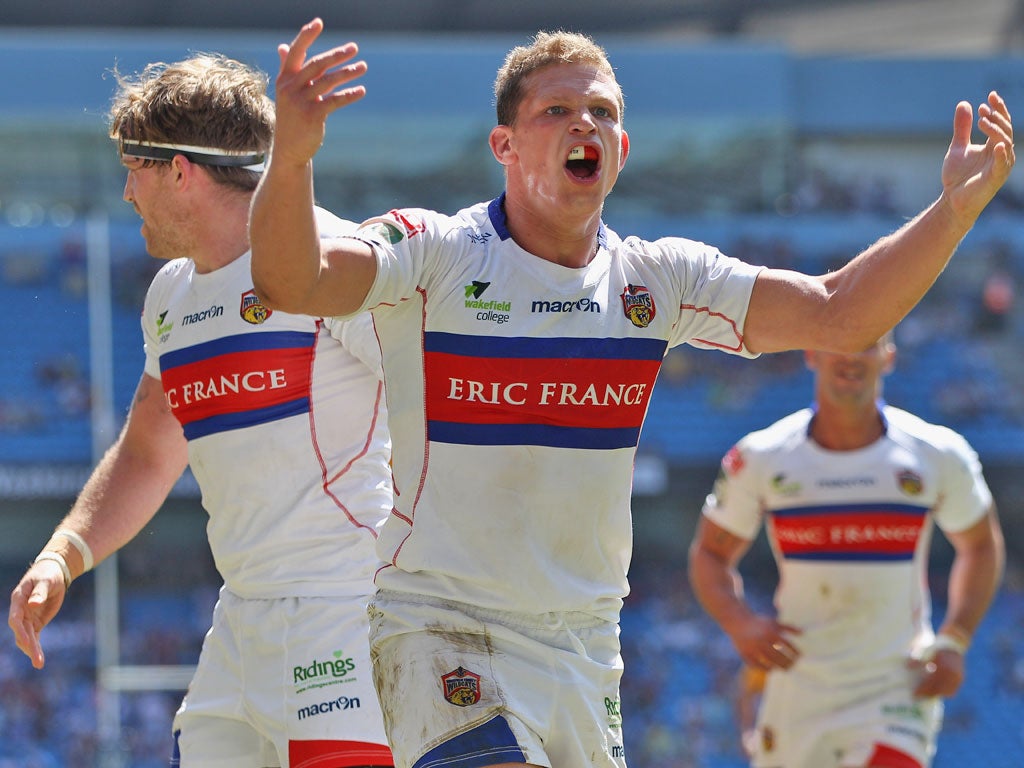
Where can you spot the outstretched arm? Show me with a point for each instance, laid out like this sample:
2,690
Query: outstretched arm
762,642
288,270
977,569
123,493
848,310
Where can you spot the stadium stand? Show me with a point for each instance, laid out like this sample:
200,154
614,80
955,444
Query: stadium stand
45,407
949,371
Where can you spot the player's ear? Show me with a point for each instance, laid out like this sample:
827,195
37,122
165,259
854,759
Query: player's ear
625,150
182,169
501,144
888,358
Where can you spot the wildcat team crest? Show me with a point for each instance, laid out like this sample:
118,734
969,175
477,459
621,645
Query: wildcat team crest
910,482
253,310
461,687
638,305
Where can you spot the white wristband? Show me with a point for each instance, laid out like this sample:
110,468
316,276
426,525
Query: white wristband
58,558
945,642
79,543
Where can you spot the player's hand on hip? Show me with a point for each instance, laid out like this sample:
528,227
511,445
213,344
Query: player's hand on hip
308,90
34,602
941,674
767,644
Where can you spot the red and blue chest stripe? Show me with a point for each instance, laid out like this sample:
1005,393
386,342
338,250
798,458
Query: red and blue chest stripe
239,381
559,392
849,532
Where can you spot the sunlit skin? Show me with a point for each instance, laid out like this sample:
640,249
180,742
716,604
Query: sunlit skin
552,212
186,213
146,189
847,389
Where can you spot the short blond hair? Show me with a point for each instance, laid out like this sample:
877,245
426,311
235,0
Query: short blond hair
547,48
208,100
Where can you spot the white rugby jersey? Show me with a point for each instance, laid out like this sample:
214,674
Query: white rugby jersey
286,431
851,531
516,390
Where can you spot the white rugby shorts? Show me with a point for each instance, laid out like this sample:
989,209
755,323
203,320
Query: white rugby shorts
805,723
282,682
469,687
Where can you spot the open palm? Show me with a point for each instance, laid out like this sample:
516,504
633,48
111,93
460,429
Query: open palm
973,173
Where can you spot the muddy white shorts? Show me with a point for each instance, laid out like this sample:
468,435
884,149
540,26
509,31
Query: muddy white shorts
813,724
466,687
283,682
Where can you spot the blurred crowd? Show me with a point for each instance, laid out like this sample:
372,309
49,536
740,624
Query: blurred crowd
958,365
678,694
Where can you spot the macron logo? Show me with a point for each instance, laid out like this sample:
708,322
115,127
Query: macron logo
335,705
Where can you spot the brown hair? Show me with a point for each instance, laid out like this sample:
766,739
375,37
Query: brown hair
207,100
546,48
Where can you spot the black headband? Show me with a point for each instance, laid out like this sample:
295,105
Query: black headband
202,155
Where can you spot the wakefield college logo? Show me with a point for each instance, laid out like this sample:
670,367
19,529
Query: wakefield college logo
494,311
473,301
461,687
163,328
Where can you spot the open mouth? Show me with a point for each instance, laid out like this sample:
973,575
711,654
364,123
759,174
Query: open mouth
583,161
850,373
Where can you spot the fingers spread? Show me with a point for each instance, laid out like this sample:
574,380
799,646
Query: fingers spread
317,65
324,84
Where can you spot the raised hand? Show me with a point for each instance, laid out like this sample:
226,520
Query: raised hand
307,90
973,173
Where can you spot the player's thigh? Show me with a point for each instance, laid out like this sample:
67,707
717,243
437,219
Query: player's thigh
896,731
804,724
211,728
309,681
460,689
203,741
782,735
